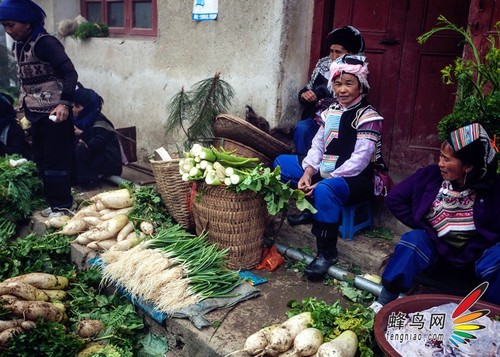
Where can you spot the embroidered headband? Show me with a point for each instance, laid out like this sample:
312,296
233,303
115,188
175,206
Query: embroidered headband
350,64
466,135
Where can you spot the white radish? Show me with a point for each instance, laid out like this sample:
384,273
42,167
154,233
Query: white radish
345,345
115,213
307,342
91,221
126,244
298,323
115,199
255,343
87,211
57,222
109,228
147,227
279,340
102,245
74,226
125,231
83,238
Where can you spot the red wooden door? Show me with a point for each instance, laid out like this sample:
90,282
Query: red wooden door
405,77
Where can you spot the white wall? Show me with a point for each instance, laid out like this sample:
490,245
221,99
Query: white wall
261,48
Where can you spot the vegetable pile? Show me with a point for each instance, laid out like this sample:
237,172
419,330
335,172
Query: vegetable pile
104,223
19,188
171,270
220,167
31,297
354,324
293,338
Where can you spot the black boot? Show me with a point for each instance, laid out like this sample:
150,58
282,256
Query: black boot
326,241
304,217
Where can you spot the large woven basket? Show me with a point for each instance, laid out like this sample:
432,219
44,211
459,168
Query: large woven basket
241,150
175,193
234,220
234,128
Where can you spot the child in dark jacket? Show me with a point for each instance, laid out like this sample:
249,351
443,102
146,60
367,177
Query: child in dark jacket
12,139
97,149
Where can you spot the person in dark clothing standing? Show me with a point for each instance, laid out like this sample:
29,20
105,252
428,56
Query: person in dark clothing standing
12,138
47,82
97,149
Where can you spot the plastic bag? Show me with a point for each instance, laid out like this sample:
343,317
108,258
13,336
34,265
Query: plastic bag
272,259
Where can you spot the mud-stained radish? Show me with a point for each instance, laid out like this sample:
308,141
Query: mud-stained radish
89,328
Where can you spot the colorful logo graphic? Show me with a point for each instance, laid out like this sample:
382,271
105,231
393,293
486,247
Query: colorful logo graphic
464,322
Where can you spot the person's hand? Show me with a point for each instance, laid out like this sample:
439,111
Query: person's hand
305,180
310,189
309,96
78,131
61,112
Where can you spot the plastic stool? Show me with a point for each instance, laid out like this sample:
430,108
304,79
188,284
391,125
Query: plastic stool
354,218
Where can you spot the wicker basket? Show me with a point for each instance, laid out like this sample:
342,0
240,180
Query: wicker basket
241,150
175,193
234,128
234,220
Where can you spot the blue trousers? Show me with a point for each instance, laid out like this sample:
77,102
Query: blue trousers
330,194
303,134
415,253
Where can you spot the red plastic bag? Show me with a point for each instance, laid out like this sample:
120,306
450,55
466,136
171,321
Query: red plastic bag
272,259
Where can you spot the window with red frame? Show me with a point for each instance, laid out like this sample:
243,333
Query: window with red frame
124,17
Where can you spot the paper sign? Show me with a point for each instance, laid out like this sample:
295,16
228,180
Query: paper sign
205,10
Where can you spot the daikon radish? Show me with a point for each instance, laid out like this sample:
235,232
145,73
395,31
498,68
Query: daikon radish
100,206
87,211
32,310
91,220
55,295
307,342
125,231
42,280
298,323
114,213
102,244
57,222
83,238
279,340
89,328
127,243
23,291
74,226
255,343
8,299
345,345
147,227
5,324
116,199
109,228
8,333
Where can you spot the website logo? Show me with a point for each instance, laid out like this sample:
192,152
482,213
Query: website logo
463,323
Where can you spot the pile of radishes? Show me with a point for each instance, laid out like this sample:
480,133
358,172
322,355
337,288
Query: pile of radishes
295,338
104,224
30,297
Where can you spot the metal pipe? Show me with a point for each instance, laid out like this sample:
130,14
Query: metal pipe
333,271
117,180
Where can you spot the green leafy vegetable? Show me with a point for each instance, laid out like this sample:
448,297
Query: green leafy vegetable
333,319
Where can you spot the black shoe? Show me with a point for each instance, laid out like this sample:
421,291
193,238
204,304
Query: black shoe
319,266
303,218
